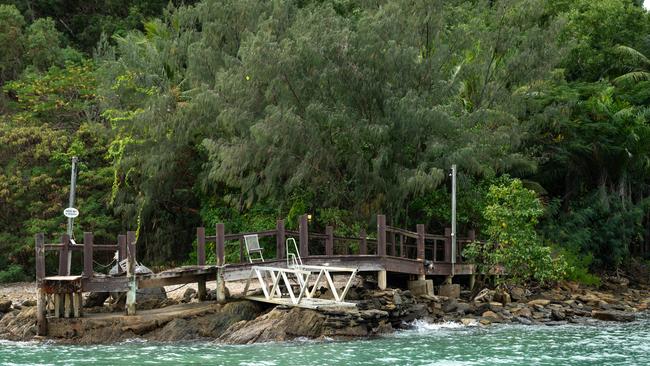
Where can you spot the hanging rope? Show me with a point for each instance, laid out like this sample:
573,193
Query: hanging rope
104,266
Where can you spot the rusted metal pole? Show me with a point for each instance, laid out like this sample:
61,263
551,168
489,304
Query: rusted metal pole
381,235
329,240
88,255
130,273
303,229
279,239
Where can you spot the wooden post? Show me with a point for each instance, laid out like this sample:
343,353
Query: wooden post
76,304
200,260
88,255
401,246
121,251
381,235
58,303
221,261
221,244
242,258
420,251
68,305
202,292
41,315
40,257
435,250
329,240
63,256
41,301
280,236
130,272
392,244
303,229
200,246
448,245
363,244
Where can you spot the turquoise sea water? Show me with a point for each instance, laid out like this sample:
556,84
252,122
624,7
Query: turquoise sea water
605,344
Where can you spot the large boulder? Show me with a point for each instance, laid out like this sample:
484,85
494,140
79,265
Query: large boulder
5,306
613,315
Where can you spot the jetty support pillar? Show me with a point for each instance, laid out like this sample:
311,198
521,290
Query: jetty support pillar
130,273
382,279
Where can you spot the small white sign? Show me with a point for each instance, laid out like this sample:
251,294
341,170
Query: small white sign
71,212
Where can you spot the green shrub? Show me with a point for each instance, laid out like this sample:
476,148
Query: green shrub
14,273
512,212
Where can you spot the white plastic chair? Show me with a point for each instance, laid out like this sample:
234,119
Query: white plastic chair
253,247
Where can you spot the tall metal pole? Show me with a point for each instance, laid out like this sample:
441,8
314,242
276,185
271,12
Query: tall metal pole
73,187
453,219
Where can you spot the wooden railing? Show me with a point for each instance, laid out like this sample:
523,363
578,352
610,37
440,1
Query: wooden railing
389,241
87,248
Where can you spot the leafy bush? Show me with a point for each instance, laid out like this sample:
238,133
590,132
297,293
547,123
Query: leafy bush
512,212
14,273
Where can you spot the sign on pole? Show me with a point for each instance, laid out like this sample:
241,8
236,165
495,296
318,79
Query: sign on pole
71,212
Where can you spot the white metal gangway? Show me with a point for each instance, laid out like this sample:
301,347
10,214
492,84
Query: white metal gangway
296,285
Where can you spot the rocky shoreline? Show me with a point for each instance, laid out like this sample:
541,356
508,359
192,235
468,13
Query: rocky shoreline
377,312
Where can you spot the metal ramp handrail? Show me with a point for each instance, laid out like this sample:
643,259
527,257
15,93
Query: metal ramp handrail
271,289
293,257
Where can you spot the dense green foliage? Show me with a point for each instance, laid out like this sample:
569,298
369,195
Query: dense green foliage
247,111
514,247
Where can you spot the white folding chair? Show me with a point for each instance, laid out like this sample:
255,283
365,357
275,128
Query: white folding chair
253,247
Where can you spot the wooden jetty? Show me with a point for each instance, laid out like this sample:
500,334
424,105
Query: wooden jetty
389,252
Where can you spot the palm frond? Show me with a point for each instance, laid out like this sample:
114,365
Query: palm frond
632,56
632,77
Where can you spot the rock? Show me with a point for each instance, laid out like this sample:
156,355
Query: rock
518,294
558,315
490,314
5,306
502,296
612,315
373,314
450,306
485,322
540,302
523,320
484,295
468,321
28,303
556,323
464,308
189,294
524,312
397,299
96,299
